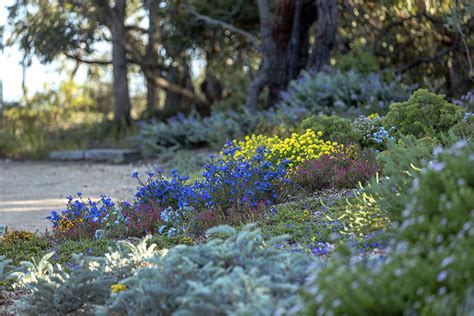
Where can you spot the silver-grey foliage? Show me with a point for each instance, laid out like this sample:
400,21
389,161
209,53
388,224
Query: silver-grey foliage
234,273
239,275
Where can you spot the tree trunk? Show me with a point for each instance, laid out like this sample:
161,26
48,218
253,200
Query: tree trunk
151,55
119,64
285,43
284,48
295,42
255,88
151,96
175,102
326,30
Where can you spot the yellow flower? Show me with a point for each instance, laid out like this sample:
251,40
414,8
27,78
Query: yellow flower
118,287
298,147
186,240
372,116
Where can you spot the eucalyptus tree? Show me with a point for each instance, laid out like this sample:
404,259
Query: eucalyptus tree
48,29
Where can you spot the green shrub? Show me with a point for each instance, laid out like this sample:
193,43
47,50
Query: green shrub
358,60
400,163
23,246
297,220
334,128
424,114
465,128
428,270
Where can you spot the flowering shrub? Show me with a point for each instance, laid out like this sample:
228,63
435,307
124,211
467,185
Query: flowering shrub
371,132
233,189
338,170
296,149
229,183
139,220
173,192
85,217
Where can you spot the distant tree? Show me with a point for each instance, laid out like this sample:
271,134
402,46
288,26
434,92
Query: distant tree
429,42
48,29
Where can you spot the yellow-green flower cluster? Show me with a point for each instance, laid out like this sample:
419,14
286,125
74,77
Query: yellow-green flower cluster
297,148
115,288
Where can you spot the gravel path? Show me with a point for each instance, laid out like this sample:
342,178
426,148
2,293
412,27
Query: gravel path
30,190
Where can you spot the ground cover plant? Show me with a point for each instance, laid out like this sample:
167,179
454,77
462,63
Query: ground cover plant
335,224
304,157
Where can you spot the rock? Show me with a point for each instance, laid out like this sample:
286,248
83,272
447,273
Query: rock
112,155
74,155
101,155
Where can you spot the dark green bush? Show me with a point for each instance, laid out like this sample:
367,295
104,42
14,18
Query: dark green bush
334,128
424,114
358,60
465,128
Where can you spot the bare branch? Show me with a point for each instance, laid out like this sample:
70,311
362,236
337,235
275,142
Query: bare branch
214,22
88,61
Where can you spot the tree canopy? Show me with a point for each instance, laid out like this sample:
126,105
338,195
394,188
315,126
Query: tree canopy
262,44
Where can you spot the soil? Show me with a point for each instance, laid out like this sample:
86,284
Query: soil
29,191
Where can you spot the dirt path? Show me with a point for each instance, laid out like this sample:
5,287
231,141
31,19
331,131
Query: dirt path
30,190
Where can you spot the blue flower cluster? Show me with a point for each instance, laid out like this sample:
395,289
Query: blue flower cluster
315,249
226,182
173,192
175,220
381,136
373,134
85,211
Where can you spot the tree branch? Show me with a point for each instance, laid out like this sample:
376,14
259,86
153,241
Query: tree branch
211,21
171,87
88,61
427,59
